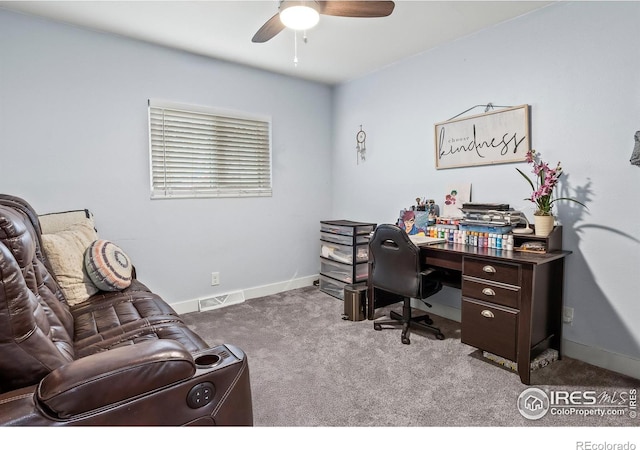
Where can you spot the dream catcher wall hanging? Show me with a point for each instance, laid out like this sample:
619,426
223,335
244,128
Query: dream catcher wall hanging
361,148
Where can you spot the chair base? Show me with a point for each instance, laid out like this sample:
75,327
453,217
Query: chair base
407,322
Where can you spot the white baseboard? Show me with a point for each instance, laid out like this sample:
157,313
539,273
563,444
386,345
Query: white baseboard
275,288
606,359
192,305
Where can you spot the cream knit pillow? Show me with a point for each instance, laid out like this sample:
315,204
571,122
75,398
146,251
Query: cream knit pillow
65,251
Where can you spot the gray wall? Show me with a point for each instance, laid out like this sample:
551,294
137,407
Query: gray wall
74,134
576,64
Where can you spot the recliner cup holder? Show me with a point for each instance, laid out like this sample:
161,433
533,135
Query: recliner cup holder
207,360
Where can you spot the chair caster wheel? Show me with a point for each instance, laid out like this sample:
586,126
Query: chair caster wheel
440,336
406,340
377,327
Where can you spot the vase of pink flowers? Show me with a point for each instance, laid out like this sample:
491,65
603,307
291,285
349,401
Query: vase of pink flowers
542,196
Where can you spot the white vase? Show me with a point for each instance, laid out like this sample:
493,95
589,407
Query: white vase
543,225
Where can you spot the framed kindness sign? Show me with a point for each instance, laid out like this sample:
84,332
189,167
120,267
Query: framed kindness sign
495,137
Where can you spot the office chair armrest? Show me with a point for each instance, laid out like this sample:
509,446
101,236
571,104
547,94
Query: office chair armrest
432,276
430,283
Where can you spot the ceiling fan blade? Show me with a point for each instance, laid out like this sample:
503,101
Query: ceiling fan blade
351,8
272,27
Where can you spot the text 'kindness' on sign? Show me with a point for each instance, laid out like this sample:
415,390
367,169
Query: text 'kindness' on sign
491,138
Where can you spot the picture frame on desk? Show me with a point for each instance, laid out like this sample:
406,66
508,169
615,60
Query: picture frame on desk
414,222
496,137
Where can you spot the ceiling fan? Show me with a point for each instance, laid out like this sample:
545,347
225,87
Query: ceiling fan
302,15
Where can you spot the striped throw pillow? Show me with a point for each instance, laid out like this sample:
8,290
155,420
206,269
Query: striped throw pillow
108,267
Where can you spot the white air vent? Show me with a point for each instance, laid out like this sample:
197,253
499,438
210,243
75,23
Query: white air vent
220,301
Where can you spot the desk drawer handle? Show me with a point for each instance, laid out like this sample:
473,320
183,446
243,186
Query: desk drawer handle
489,269
487,313
488,291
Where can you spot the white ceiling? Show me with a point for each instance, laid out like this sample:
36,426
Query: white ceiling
339,49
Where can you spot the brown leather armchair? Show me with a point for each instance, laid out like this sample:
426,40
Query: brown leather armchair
119,358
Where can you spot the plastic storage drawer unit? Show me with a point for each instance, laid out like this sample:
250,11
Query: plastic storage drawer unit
344,254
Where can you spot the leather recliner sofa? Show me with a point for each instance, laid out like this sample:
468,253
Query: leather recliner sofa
118,358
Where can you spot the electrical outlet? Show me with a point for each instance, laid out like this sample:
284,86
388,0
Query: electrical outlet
567,314
215,278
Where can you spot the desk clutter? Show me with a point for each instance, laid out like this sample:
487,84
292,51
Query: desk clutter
474,238
483,225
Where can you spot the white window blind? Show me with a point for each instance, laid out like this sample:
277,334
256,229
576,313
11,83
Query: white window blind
201,152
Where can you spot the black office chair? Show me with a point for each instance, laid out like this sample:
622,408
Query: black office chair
396,270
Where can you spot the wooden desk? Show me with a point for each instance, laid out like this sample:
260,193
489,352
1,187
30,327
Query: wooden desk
511,300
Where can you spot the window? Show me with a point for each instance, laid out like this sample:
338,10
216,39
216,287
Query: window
201,152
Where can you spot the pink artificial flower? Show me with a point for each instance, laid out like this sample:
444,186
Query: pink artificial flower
529,156
546,181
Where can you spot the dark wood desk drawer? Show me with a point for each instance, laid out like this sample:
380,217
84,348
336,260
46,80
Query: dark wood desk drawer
441,259
492,270
490,327
504,295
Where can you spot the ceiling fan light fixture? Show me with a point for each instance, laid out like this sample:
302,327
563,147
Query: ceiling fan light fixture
299,15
